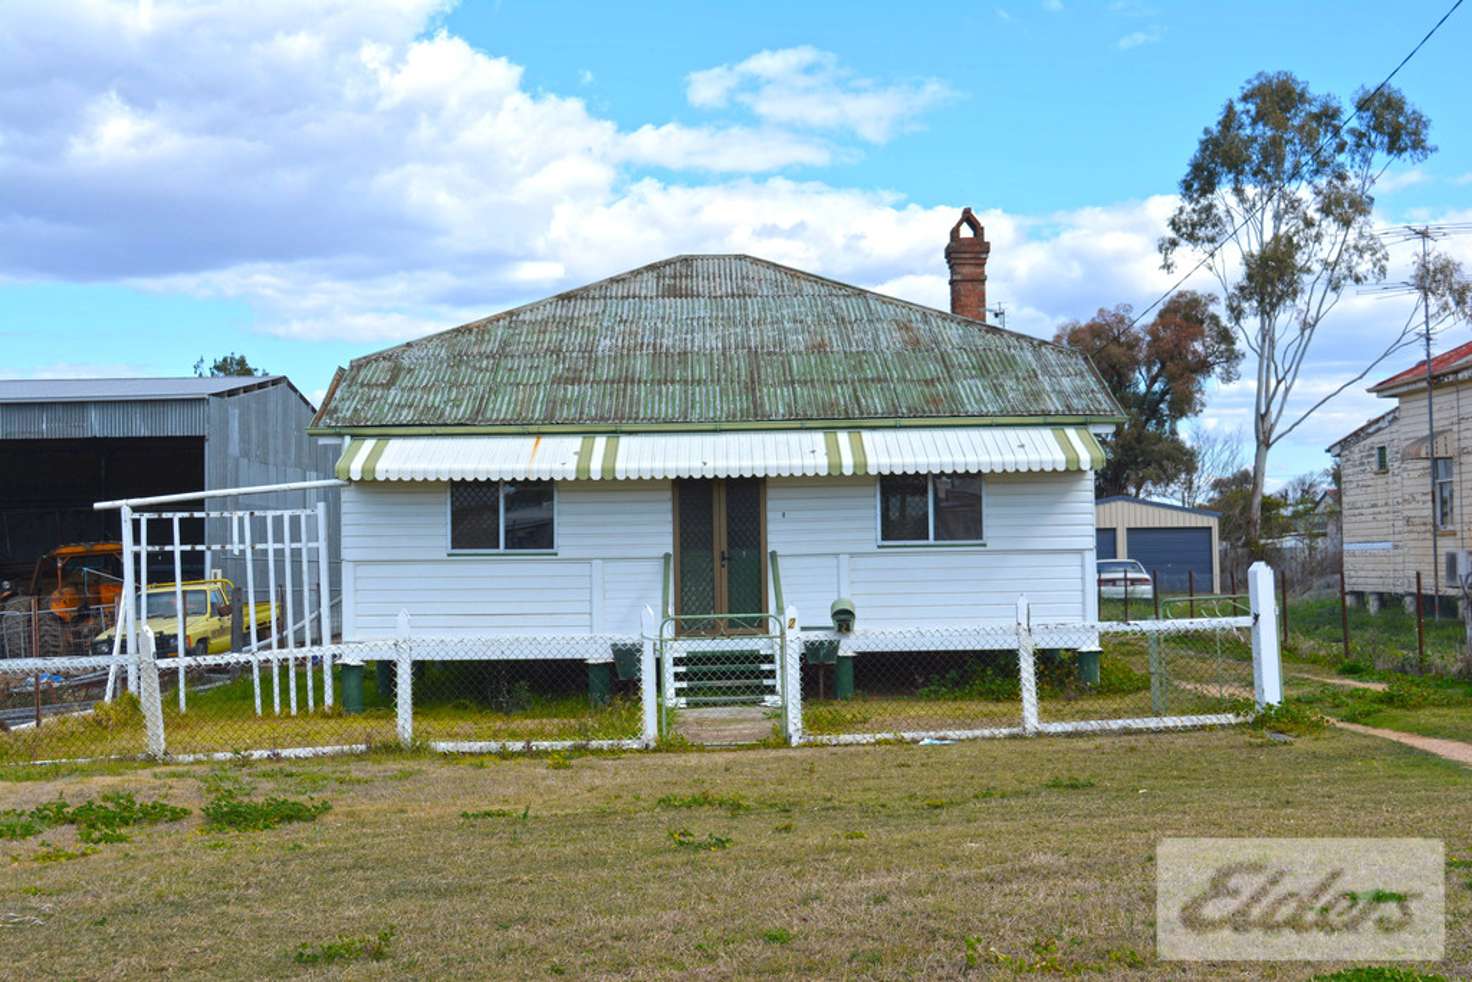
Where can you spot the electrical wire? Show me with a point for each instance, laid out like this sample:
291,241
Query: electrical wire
1359,107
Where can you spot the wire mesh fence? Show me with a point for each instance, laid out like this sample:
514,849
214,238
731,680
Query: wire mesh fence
532,690
40,630
55,711
1144,673
937,680
1007,680
446,693
541,692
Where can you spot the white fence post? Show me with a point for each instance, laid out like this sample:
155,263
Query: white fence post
791,669
148,697
130,595
1267,667
181,628
648,685
1027,668
249,613
324,600
404,686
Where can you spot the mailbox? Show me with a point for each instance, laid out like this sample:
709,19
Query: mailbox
843,615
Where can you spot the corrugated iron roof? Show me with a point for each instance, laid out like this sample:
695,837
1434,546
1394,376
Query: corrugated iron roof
762,453
711,341
1447,361
127,389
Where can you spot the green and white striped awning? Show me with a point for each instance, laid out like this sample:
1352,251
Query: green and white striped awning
757,453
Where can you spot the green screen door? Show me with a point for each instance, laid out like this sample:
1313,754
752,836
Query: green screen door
720,561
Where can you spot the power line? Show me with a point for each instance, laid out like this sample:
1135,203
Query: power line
1359,107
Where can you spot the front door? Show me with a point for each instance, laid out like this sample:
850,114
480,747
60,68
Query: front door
720,554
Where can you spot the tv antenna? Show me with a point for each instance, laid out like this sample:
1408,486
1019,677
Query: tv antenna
1425,234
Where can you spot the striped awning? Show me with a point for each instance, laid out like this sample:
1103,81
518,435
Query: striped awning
761,453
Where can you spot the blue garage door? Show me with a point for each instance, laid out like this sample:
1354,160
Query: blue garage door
1174,554
1104,542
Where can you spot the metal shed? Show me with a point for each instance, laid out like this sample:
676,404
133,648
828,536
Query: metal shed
66,443
1176,544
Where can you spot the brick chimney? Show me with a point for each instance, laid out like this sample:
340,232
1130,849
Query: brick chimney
966,256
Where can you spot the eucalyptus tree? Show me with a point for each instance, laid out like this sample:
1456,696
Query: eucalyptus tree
1278,198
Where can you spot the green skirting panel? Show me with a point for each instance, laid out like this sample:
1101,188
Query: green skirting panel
626,659
843,677
1088,667
600,682
350,684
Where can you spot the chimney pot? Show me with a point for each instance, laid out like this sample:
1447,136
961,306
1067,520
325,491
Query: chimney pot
966,256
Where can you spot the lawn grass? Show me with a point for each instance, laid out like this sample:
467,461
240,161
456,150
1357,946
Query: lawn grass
1384,640
888,861
1425,706
223,719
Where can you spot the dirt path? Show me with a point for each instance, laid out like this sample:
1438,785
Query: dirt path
724,725
1454,750
1346,683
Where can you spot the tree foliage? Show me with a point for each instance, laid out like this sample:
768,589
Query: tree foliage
1158,372
227,365
1278,197
1232,497
1215,454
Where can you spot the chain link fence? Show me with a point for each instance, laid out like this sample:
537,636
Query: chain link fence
616,691
905,683
1143,674
1011,680
445,693
54,709
44,631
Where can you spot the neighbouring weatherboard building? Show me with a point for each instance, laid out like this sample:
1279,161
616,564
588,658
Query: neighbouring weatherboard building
528,473
1390,502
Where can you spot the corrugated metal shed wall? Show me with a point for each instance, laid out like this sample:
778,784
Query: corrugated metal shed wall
110,419
260,437
1124,515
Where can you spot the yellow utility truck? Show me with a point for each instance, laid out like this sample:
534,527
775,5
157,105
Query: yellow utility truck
207,616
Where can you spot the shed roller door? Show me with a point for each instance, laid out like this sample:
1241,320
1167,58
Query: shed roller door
1104,543
1173,554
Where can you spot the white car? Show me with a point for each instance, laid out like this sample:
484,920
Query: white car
1118,575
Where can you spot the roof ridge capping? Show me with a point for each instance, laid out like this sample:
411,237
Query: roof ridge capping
696,256
738,339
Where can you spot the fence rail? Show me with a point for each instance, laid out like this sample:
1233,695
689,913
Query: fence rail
622,691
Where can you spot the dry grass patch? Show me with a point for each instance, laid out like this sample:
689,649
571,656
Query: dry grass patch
993,857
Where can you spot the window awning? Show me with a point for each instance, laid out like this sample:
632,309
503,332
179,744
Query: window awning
760,453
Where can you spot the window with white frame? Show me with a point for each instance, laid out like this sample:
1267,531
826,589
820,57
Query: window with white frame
502,516
925,508
1446,516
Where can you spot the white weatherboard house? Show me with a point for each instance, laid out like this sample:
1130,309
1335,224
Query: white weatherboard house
528,473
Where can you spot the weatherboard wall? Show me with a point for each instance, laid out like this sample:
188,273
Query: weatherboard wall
613,535
1386,514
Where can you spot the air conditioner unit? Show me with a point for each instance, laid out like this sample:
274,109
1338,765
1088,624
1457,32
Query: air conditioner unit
1459,567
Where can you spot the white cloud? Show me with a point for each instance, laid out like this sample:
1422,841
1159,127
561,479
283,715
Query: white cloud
1053,6
807,87
1135,39
1393,181
83,369
352,173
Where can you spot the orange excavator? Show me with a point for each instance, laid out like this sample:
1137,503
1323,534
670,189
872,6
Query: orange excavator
76,588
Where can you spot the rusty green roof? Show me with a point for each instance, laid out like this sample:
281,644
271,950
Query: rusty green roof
712,341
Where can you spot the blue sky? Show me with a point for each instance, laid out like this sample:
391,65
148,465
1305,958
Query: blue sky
305,182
